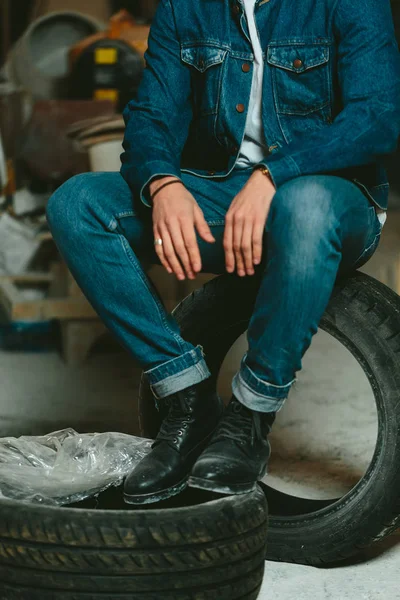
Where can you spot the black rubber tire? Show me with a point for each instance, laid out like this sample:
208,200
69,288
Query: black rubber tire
364,315
209,551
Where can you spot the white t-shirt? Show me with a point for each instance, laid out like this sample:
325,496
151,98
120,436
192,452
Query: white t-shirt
253,148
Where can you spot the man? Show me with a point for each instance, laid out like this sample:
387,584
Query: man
256,146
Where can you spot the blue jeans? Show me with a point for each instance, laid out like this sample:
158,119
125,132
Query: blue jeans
319,227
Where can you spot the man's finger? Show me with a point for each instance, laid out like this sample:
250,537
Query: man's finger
160,251
237,245
169,252
258,233
247,247
178,243
192,247
228,244
202,225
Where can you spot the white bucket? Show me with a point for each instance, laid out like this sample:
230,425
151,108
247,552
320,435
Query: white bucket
105,156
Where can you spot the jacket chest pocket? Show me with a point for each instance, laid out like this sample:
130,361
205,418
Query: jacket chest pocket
301,77
206,64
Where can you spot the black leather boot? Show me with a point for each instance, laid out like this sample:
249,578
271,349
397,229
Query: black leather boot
237,455
193,414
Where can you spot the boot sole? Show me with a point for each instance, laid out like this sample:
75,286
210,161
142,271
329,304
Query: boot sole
214,486
157,497
234,489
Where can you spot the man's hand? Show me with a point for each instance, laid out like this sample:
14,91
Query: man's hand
245,223
176,215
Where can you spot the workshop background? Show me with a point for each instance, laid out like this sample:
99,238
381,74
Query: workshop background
67,69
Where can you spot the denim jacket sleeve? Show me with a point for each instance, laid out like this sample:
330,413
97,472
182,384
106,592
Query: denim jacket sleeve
157,121
369,77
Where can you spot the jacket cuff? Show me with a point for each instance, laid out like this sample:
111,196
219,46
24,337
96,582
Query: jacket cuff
150,170
282,168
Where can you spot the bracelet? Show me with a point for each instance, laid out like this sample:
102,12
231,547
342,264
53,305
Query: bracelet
163,186
265,172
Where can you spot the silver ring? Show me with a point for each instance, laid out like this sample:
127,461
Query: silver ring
158,242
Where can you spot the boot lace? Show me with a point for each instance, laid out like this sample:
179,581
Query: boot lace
176,421
239,424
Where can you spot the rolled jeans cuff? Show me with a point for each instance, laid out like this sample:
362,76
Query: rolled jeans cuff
256,394
178,373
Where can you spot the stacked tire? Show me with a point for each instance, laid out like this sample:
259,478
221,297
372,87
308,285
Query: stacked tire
213,549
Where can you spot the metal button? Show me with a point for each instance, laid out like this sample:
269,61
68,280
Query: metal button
236,9
211,172
297,63
240,108
201,63
234,150
246,67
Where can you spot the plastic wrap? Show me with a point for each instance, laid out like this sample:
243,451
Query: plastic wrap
65,466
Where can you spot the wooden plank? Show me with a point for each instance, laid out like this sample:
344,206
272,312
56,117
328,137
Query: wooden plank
39,277
9,297
59,285
18,309
74,291
101,139
68,308
45,235
113,124
43,310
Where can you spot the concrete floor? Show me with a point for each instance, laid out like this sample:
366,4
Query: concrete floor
40,394
377,578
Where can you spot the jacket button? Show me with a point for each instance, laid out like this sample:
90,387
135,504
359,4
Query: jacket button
211,172
245,67
240,108
236,9
234,150
297,63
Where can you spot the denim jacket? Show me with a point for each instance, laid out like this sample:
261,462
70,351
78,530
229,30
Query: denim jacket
331,91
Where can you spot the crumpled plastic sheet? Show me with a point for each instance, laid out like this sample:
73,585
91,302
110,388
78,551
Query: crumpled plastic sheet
65,466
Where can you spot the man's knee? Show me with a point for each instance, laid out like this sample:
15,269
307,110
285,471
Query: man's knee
305,203
68,201
85,198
